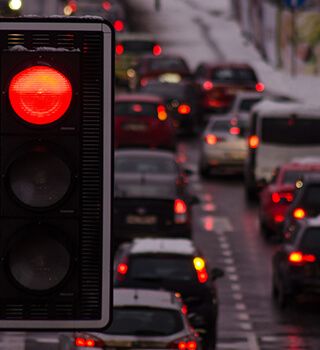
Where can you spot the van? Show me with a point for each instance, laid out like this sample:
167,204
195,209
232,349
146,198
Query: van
278,133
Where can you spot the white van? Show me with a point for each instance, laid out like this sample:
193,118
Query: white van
279,132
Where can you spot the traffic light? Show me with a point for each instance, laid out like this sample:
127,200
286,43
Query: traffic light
56,172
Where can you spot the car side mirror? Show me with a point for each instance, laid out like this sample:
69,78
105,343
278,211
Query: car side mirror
216,273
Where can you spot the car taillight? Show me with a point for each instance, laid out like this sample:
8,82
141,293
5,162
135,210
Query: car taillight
186,343
278,218
157,50
211,139
118,25
144,81
122,268
298,258
162,113
119,49
106,5
260,87
299,213
88,342
184,109
184,309
202,275
276,197
234,130
207,85
253,141
180,206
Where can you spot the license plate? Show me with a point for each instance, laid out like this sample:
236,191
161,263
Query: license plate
141,220
135,127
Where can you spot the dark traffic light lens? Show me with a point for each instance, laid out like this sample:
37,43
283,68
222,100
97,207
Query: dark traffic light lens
39,179
38,262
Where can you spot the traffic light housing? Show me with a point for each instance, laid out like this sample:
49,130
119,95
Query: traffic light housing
56,173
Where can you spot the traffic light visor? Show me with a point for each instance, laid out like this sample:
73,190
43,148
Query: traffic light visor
40,94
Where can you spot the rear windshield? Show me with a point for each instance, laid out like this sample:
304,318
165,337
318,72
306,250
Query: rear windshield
311,240
237,75
137,46
146,165
292,176
135,109
291,131
311,198
155,268
168,64
145,321
246,105
166,90
226,125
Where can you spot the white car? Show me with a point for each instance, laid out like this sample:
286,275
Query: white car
223,147
243,103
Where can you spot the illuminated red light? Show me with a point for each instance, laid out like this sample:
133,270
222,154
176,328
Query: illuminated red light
90,343
162,113
211,139
180,206
234,130
202,275
137,108
157,50
253,141
260,87
73,6
277,196
119,49
40,94
299,213
122,268
299,258
144,81
118,25
184,109
106,5
184,309
207,85
182,345
191,345
279,218
81,342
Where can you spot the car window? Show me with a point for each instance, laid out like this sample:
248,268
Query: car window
135,109
247,104
220,125
290,131
137,46
148,165
165,90
241,75
145,321
292,176
168,64
311,240
311,197
162,268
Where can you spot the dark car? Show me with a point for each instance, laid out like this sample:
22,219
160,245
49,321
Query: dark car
151,196
296,264
221,82
173,264
168,68
182,101
142,120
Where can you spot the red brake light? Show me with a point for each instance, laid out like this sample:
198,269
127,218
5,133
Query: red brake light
106,5
184,309
80,342
253,141
118,25
40,94
184,109
90,343
122,268
211,139
207,85
189,345
299,213
144,81
180,206
157,50
299,258
277,196
234,130
278,218
137,108
162,113
259,87
119,49
202,275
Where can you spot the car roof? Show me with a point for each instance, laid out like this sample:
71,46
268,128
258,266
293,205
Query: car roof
161,57
274,109
145,152
179,246
144,297
311,178
227,65
139,97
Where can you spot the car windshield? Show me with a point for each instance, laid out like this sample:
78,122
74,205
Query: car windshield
137,46
238,75
165,90
311,240
311,198
135,109
168,64
148,165
291,131
247,104
291,176
147,321
162,268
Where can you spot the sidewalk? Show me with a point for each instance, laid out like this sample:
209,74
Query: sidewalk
204,31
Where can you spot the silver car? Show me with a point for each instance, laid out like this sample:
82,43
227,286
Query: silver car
142,318
223,147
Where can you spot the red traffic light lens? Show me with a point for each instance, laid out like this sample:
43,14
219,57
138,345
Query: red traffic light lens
40,95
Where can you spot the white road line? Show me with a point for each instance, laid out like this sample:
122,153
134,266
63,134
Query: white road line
208,207
233,277
237,296
253,341
231,269
235,286
225,245
226,252
229,261
243,316
246,326
240,306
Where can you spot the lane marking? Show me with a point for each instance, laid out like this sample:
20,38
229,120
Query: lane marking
243,316
231,269
253,341
227,252
229,261
208,207
246,326
233,277
240,306
235,286
237,296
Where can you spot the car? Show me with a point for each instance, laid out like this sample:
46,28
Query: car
278,132
223,147
169,68
151,196
306,201
182,101
142,120
142,319
219,83
277,196
295,266
129,47
175,265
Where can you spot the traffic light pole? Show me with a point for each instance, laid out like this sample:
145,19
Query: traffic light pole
293,42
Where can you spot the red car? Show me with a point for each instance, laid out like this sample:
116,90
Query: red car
276,197
142,120
221,82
